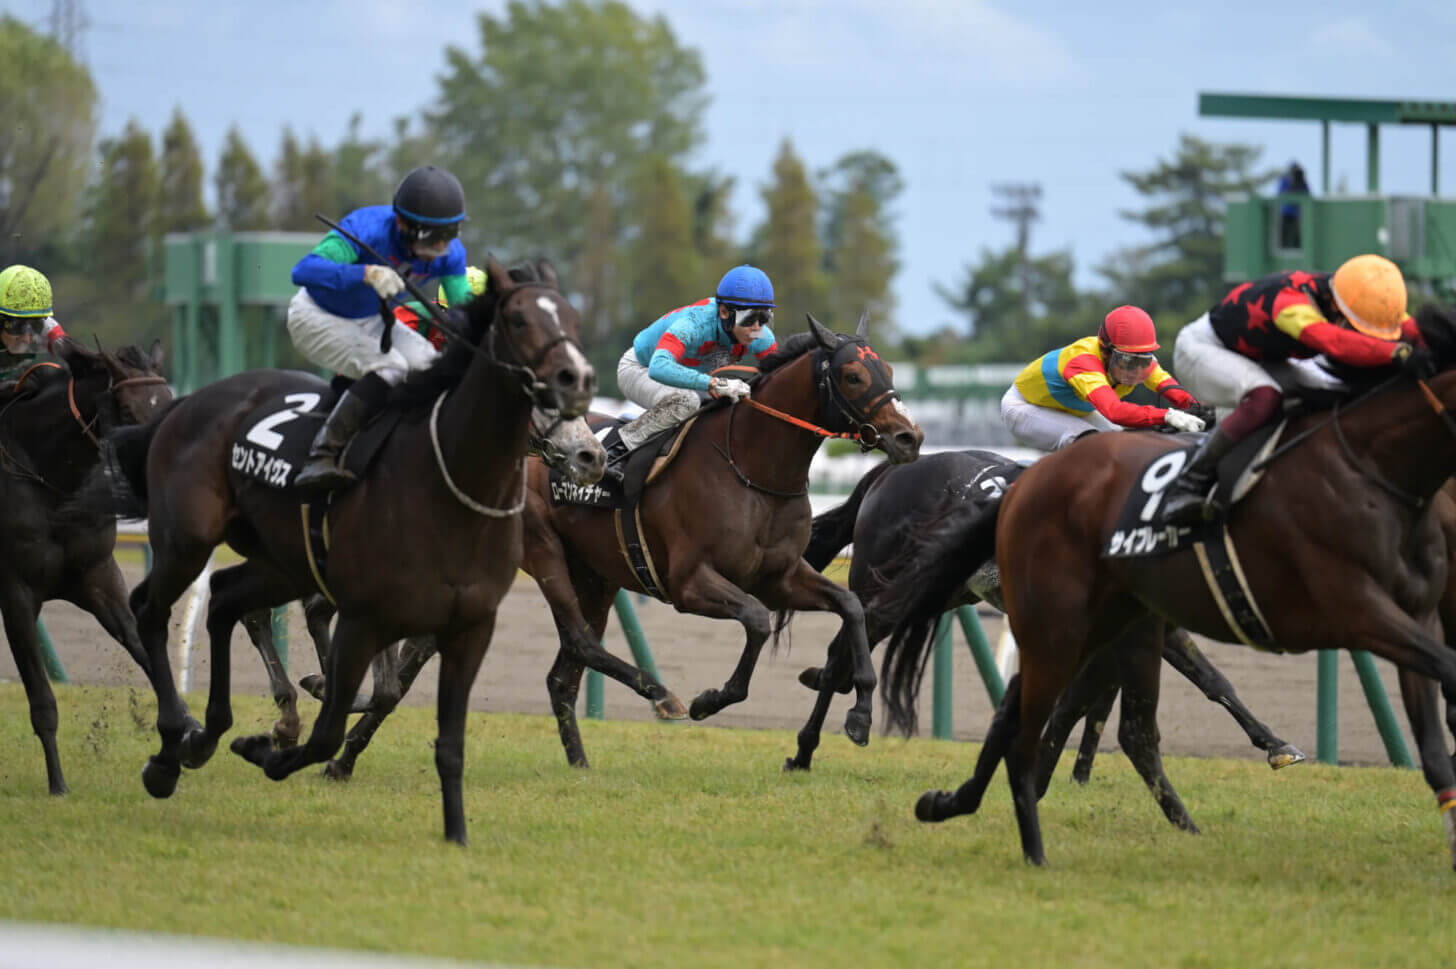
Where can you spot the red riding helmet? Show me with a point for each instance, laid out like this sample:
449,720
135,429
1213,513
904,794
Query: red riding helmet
1130,330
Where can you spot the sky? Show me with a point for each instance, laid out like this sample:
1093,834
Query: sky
959,94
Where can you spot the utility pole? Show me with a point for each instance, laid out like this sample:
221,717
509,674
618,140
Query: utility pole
1021,206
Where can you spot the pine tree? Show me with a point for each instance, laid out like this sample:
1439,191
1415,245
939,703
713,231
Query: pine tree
860,242
242,191
181,207
787,244
124,219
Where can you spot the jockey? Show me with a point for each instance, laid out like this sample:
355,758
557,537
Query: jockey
1356,316
27,327
1079,388
662,369
334,318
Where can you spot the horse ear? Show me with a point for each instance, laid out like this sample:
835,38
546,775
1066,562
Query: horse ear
547,272
863,330
499,276
78,359
156,356
822,333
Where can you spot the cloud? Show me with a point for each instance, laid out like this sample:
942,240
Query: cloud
1350,37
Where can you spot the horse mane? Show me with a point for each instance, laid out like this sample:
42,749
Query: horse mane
417,393
133,357
1437,326
791,349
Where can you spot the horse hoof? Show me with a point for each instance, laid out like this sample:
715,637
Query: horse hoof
1285,756
810,678
284,739
196,748
670,708
792,765
703,705
254,749
160,779
335,771
927,807
313,685
857,726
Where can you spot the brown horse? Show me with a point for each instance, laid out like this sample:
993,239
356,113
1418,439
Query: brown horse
51,428
427,543
726,523
1338,542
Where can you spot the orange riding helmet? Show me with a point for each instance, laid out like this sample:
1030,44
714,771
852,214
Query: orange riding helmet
1370,293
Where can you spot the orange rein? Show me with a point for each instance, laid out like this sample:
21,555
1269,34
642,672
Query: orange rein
807,425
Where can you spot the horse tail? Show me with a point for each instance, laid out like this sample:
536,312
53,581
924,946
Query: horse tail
829,534
927,574
118,485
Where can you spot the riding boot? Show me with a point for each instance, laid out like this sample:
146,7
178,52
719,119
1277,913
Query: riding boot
324,470
668,412
616,460
1187,500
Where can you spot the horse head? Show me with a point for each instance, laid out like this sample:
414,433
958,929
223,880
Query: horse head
126,387
540,328
568,446
857,391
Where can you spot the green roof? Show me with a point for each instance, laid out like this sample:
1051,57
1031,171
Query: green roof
1366,110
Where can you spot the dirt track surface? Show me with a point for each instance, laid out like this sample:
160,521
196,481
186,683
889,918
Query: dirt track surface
693,654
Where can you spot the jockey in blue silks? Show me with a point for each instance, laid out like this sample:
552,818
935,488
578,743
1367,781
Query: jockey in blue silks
664,368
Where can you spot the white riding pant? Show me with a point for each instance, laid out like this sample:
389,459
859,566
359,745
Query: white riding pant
1212,372
1045,427
351,346
666,406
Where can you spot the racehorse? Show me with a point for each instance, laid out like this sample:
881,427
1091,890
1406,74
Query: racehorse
427,542
725,524
1338,543
893,502
50,439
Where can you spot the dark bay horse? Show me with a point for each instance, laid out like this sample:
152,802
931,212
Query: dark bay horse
427,543
51,426
1339,546
726,523
893,503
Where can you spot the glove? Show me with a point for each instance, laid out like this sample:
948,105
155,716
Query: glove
386,281
1203,412
1181,420
729,387
1413,359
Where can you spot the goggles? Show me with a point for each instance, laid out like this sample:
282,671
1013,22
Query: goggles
752,316
1136,365
431,234
21,325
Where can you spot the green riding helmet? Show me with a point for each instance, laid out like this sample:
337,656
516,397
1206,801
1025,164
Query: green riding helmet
25,293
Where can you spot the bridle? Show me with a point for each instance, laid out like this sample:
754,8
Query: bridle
111,388
842,411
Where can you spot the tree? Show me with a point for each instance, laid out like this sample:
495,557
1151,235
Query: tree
45,154
124,212
787,244
1181,272
666,268
302,184
1019,306
547,123
242,191
860,242
181,207
711,194
359,176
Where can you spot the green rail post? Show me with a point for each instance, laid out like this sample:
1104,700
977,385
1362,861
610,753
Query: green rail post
596,706
1385,722
981,651
280,634
48,656
940,716
1327,705
632,629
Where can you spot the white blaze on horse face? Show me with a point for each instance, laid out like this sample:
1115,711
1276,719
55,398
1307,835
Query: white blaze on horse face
577,358
901,409
548,305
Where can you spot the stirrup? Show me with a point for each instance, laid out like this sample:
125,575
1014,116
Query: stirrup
323,473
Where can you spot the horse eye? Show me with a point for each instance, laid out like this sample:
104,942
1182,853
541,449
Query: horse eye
852,377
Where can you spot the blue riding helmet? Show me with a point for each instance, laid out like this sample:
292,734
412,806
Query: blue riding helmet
745,285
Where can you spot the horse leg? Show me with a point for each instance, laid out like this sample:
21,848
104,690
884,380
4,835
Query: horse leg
805,589
354,646
836,676
935,806
1422,709
1184,656
20,612
563,682
102,593
317,614
707,593
175,564
460,656
259,626
1141,665
1090,696
409,661
586,608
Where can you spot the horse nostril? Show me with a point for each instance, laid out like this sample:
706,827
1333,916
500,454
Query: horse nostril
590,458
566,377
907,440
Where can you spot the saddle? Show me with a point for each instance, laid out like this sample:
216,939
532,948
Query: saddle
273,443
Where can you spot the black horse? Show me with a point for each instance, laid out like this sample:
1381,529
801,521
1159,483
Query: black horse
51,429
893,502
427,542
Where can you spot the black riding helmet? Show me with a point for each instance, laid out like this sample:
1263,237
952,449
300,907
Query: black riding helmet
431,203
